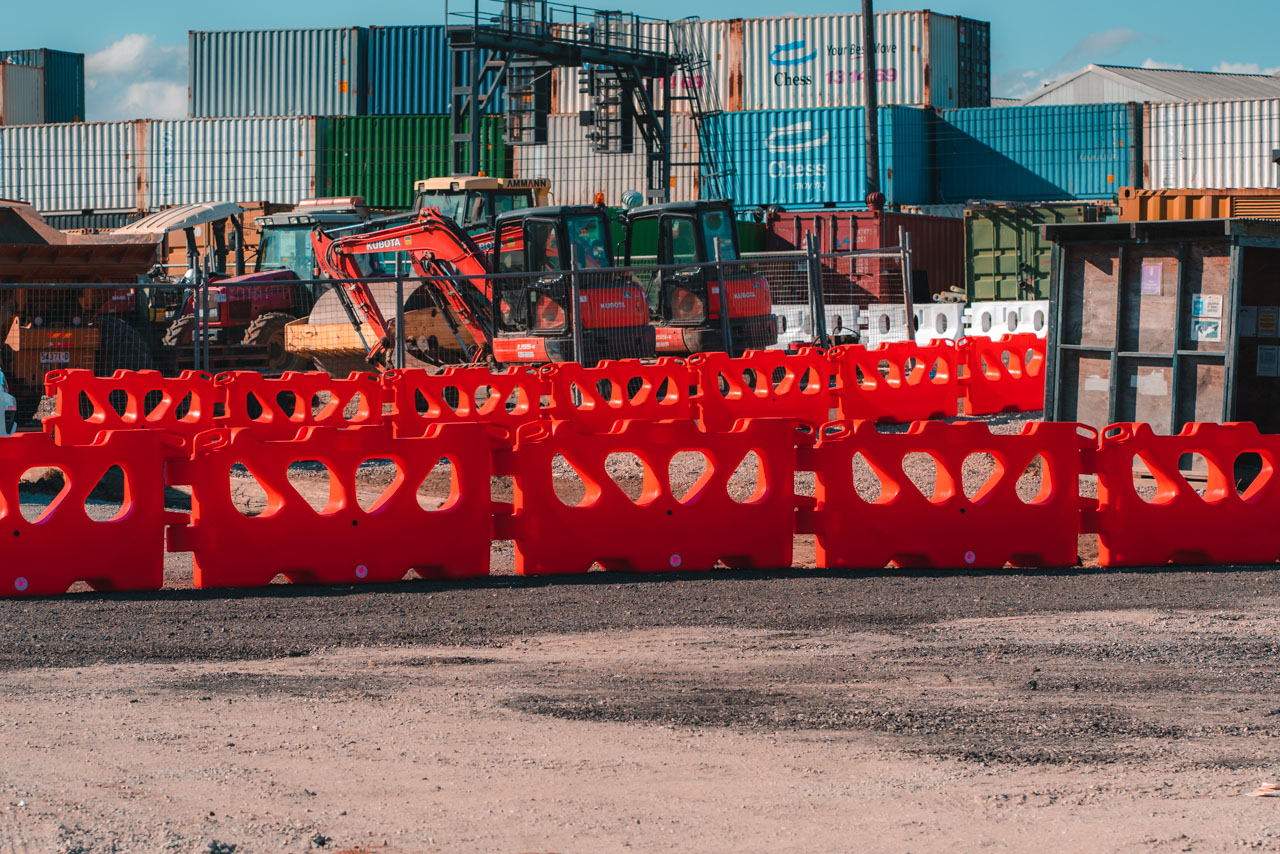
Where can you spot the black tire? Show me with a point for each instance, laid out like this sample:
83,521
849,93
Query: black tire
180,333
268,330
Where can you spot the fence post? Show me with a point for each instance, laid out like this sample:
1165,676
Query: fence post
725,325
817,301
204,344
904,243
575,315
400,342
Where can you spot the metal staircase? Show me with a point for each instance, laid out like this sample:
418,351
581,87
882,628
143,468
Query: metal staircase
699,88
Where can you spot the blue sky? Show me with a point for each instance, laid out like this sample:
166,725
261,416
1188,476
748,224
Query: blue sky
137,51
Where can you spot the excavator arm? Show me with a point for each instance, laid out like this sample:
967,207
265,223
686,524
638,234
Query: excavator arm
437,249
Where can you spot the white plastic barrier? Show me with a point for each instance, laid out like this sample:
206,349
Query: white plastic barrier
995,319
885,322
1033,316
939,320
795,325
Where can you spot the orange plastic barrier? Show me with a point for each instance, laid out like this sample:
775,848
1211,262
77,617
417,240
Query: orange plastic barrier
1003,376
763,384
278,407
1170,521
64,544
86,406
613,391
662,528
898,381
898,523
421,399
355,537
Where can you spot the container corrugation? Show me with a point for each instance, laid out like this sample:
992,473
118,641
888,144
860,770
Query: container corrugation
722,41
72,167
380,157
937,242
21,94
816,158
409,70
63,81
1145,205
816,60
577,173
208,160
1037,153
93,221
1210,144
277,72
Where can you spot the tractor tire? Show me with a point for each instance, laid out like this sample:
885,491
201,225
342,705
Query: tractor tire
268,330
181,333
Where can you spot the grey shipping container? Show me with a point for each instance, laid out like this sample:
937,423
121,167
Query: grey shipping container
21,95
1165,322
63,81
258,73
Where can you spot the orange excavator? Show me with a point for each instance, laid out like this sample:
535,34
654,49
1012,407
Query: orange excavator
513,304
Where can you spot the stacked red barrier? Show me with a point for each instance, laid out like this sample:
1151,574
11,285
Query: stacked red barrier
900,381
1003,376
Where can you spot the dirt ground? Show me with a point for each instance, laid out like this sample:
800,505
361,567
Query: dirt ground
791,710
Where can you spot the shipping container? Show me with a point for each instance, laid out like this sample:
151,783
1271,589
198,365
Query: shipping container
1049,153
63,81
21,94
252,73
1211,144
212,160
936,242
816,158
73,167
409,71
91,221
1006,256
577,173
380,157
1144,205
811,61
1165,323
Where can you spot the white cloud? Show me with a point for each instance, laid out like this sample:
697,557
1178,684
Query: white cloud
1166,66
1244,68
1095,47
136,78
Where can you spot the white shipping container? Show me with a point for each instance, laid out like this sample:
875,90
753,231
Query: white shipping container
204,160
21,94
73,167
1211,145
577,173
722,43
816,61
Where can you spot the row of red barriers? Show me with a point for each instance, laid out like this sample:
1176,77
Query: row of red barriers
899,382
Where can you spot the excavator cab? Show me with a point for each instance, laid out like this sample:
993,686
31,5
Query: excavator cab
474,203
685,292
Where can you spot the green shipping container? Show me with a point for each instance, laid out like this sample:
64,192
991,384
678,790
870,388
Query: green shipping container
1005,255
380,157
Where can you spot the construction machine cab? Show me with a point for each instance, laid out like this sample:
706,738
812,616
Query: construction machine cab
475,202
285,243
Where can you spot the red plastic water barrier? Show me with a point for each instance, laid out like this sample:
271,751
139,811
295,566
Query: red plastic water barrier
898,523
664,528
86,406
898,381
279,407
64,544
355,537
613,391
421,399
1005,375
763,384
1170,522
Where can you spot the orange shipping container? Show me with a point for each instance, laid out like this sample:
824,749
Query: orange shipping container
1152,205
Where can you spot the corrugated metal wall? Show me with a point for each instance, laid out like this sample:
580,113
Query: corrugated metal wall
409,70
228,159
21,94
1222,144
72,167
380,157
277,72
577,173
816,157
1037,153
92,221
63,81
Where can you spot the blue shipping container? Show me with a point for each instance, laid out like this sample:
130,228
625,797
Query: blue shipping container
409,71
63,81
815,158
1039,153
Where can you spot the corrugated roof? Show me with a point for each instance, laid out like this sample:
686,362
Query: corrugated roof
1162,84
